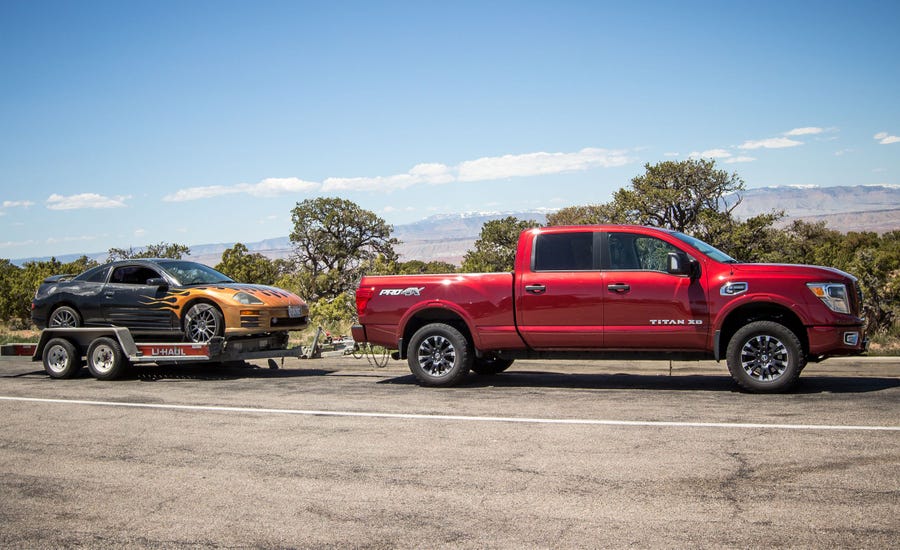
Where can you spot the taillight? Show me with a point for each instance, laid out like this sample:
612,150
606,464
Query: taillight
363,295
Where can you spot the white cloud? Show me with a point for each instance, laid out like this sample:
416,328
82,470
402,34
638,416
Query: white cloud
269,187
670,154
734,160
70,238
483,169
14,204
85,200
431,173
140,232
842,152
771,143
11,244
885,139
711,154
809,130
536,164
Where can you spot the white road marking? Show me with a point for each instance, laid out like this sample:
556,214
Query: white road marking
457,418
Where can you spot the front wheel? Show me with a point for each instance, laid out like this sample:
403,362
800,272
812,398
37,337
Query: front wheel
765,357
64,317
202,322
439,355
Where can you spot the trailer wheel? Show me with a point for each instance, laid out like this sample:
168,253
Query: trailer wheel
105,359
439,355
490,364
765,357
61,358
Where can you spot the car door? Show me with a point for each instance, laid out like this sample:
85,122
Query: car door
644,306
559,299
128,301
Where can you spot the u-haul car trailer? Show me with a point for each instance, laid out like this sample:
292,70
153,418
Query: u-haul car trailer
109,351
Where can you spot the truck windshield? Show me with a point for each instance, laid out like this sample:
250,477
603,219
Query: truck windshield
707,249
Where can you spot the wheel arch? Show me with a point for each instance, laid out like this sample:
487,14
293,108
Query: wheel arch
761,311
433,314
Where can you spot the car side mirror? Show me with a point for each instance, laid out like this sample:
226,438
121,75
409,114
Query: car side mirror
158,282
678,263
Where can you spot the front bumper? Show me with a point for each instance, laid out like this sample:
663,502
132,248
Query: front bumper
829,341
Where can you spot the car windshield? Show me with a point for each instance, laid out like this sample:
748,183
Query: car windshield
707,249
192,273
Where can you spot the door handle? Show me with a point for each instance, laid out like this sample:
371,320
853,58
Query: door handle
535,289
108,294
621,288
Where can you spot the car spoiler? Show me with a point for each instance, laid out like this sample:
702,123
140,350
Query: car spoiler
59,278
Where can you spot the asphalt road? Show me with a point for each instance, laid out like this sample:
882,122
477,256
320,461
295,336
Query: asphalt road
336,453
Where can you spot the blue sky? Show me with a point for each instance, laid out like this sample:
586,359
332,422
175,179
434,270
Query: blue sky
128,123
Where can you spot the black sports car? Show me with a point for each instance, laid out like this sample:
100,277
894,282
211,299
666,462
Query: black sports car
166,297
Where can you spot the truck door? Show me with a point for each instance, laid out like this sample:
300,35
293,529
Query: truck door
559,300
645,307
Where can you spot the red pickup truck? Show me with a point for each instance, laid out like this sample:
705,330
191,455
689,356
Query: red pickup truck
621,292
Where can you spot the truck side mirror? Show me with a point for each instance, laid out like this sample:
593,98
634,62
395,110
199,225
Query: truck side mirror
678,263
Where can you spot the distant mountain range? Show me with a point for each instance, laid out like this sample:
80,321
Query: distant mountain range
447,237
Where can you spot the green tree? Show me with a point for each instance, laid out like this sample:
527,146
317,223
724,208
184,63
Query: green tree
495,249
690,196
21,283
334,242
385,266
242,266
160,250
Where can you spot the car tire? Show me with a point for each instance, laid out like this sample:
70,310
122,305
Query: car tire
765,357
202,322
61,358
439,355
105,359
64,317
490,365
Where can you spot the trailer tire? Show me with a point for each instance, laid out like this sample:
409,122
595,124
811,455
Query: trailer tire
765,357
105,359
439,355
61,358
490,365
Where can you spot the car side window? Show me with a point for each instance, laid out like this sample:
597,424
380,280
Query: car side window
132,275
631,252
564,252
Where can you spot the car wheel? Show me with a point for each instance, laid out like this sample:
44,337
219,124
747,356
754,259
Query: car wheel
64,317
439,355
490,364
105,359
765,357
61,358
202,322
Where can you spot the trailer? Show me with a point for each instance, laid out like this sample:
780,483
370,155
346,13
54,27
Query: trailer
108,351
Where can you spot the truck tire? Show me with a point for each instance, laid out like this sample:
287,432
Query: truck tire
61,358
765,357
490,364
105,359
439,355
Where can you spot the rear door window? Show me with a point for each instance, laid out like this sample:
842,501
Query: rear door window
564,252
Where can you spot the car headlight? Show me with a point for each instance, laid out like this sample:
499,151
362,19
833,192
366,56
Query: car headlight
834,295
247,299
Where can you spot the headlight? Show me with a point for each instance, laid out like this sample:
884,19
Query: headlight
247,299
834,296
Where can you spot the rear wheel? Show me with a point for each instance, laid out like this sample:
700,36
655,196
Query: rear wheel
105,359
61,358
439,355
765,357
64,317
490,364
202,322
